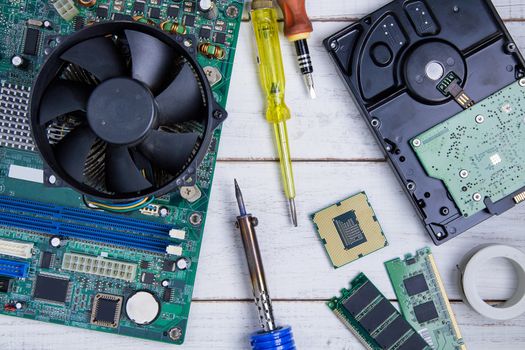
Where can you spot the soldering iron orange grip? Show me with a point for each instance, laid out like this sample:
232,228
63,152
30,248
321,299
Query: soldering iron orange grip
297,25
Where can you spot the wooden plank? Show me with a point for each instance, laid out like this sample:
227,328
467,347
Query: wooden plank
228,325
323,129
296,263
330,10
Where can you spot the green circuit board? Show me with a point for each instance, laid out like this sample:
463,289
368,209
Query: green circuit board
373,319
423,300
478,153
62,262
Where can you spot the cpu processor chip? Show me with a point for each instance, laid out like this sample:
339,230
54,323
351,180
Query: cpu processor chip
349,230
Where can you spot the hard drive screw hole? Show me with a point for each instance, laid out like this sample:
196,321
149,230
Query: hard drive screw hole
411,186
463,174
444,211
511,47
334,45
402,159
522,82
416,142
375,123
480,119
427,194
477,197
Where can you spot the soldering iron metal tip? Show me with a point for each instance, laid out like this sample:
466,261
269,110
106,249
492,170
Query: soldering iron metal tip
293,211
240,200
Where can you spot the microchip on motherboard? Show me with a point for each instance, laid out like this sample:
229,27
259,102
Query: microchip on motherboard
4,284
47,260
51,288
31,41
147,277
173,12
139,6
106,310
154,12
349,230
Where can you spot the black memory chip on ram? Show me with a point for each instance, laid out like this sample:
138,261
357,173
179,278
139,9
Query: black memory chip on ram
361,299
393,332
415,284
371,316
425,312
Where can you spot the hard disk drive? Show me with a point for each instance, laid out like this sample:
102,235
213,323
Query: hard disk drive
440,85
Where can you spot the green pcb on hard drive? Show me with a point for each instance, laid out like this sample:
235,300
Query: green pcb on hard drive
423,300
478,153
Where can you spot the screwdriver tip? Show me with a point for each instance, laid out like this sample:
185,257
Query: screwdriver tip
309,81
293,211
313,95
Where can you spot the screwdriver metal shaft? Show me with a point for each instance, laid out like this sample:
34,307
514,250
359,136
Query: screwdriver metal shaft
297,28
264,20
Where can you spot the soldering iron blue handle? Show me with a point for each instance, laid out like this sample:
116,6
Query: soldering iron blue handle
279,339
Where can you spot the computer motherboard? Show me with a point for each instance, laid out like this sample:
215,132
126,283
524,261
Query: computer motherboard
60,260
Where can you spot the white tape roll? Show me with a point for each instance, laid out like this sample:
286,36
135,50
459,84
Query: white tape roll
472,266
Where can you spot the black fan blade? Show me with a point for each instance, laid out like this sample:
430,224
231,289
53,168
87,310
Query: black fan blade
122,174
151,59
168,151
182,99
72,151
61,97
99,56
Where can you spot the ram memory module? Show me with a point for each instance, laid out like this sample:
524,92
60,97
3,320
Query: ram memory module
423,300
373,319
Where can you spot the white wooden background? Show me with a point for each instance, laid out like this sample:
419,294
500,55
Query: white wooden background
335,156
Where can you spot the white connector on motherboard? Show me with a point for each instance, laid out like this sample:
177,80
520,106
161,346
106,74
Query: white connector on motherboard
65,8
16,249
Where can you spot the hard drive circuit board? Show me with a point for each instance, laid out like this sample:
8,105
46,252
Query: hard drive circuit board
61,261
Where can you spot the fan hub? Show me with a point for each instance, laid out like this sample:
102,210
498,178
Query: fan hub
121,111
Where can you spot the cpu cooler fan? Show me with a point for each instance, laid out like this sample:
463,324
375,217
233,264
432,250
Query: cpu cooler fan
123,110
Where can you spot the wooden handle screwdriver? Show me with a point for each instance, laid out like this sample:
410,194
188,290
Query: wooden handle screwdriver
297,28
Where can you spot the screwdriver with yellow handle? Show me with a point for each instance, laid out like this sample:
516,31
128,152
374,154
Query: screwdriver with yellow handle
264,20
297,28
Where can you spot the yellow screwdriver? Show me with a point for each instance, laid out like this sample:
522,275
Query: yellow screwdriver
264,20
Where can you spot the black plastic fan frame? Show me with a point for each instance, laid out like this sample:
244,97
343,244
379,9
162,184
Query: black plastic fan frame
183,46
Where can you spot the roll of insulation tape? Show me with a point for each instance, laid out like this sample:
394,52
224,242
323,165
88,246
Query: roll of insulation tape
472,266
